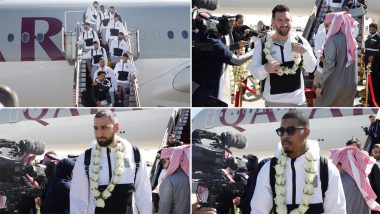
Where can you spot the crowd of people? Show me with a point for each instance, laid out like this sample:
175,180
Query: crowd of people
299,180
281,57
110,177
105,43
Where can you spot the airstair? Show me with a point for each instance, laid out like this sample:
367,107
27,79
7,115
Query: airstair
82,81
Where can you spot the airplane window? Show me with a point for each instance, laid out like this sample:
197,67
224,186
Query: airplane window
40,37
170,34
25,37
185,35
11,37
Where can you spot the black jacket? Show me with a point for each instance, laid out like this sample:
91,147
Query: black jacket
57,198
99,90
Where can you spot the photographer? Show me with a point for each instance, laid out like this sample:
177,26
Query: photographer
213,169
21,180
209,54
241,31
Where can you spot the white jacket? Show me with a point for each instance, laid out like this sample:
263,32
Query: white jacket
258,70
334,202
119,44
121,66
115,25
82,202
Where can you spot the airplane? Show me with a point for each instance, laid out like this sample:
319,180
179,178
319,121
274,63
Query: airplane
297,8
36,31
331,127
70,131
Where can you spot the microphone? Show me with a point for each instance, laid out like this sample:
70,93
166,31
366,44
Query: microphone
230,139
206,4
32,147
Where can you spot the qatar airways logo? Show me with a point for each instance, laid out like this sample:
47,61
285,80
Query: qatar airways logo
42,114
29,39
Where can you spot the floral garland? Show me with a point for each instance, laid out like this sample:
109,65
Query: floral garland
94,181
308,190
283,70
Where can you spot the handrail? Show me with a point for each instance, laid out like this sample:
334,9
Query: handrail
137,37
311,21
77,70
74,11
168,130
135,87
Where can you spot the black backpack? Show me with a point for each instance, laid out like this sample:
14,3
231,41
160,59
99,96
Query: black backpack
87,160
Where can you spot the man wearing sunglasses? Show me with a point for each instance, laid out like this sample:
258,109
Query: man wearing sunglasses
297,177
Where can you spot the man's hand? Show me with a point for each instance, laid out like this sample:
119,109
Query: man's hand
196,208
242,43
318,92
322,58
246,31
370,59
236,201
298,48
272,67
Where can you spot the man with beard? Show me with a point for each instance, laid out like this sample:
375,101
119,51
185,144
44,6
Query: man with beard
337,83
278,58
110,177
297,178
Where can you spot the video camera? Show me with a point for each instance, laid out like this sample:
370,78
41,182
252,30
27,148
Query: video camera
210,164
14,172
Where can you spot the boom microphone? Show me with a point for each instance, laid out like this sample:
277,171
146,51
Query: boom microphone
32,147
234,140
206,4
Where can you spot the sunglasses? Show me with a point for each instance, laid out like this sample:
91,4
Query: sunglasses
291,130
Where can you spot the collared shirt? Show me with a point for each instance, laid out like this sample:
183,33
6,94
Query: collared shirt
334,201
282,54
81,200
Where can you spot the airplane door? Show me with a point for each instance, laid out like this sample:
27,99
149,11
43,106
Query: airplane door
210,115
13,115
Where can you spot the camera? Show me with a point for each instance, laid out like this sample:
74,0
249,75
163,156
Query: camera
211,164
13,171
247,37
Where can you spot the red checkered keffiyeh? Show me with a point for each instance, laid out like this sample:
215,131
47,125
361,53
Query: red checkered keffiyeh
358,165
179,156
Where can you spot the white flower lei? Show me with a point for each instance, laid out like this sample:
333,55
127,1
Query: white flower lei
308,190
283,70
94,180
